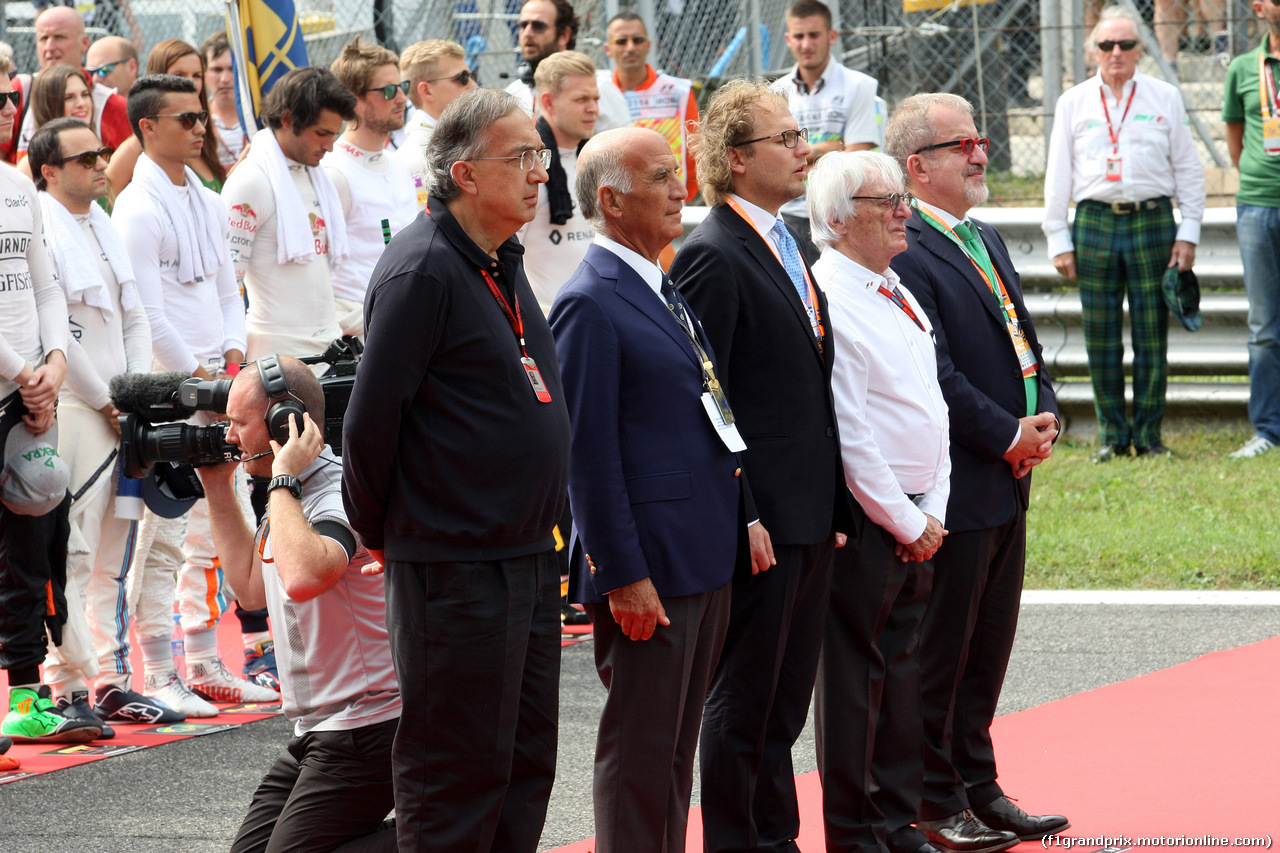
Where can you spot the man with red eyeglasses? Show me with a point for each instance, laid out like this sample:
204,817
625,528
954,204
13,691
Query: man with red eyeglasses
1003,422
1121,149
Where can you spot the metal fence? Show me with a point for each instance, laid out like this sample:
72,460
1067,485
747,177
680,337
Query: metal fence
1011,58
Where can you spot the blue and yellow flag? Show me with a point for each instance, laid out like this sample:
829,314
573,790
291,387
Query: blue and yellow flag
268,44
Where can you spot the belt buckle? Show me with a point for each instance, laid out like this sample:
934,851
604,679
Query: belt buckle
1122,208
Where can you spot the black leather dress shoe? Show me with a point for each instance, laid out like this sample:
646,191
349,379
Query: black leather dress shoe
1156,449
1003,814
1111,451
962,832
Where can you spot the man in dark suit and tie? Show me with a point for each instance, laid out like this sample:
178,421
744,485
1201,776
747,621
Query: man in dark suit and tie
658,516
1003,423
766,319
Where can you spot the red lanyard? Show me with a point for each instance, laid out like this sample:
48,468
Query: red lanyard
896,298
1115,137
514,318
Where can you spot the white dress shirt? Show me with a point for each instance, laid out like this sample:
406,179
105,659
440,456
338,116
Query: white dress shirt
645,268
1157,154
894,431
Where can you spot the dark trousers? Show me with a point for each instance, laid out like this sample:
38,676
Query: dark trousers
33,575
868,697
477,652
649,728
327,791
965,642
759,702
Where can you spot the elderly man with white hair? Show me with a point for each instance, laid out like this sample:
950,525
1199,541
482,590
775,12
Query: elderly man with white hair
894,445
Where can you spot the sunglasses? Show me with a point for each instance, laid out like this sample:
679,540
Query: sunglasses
389,91
188,119
890,201
462,78
104,70
1127,44
537,26
790,138
15,98
622,41
88,159
966,145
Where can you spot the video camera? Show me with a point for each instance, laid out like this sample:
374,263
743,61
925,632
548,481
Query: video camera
151,402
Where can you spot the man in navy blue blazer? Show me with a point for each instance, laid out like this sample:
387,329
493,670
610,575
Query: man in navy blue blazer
659,524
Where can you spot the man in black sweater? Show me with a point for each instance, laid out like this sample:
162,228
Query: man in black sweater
456,467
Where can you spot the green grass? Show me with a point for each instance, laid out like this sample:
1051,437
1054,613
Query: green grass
1196,521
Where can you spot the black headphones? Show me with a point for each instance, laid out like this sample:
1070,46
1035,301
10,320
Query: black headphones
281,401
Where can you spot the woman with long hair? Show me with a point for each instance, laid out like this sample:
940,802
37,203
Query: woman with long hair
60,91
174,56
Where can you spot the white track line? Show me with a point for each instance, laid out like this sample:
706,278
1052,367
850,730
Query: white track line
1219,598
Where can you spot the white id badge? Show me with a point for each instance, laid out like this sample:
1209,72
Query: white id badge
1113,168
1271,135
728,432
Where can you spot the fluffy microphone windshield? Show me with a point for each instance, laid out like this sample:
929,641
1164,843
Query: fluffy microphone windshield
151,395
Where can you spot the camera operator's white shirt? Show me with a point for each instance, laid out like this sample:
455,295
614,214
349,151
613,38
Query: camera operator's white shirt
192,323
333,652
291,309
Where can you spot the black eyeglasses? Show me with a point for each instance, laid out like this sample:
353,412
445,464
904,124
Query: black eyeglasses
15,98
790,138
965,145
537,26
621,41
188,120
462,78
389,91
527,158
104,70
1129,44
890,201
88,159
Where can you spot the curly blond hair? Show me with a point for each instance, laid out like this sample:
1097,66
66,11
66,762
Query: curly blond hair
729,118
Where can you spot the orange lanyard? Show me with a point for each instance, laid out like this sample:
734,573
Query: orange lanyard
1114,132
1266,86
896,298
811,308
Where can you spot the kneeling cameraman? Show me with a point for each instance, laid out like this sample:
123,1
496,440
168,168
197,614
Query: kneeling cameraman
332,783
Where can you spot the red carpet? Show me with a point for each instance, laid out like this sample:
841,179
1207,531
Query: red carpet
1180,754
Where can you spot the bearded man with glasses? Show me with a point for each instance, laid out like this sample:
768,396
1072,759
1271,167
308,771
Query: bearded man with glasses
1003,420
455,473
1122,150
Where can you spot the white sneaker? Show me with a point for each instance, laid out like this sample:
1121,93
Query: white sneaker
1255,446
167,687
210,679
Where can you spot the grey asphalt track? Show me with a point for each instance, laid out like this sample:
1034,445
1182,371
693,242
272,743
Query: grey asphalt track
191,795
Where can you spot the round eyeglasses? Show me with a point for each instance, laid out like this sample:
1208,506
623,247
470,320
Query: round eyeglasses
527,158
790,138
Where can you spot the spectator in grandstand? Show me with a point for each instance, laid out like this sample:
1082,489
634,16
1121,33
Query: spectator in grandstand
287,226
332,783
895,452
376,190
174,56
113,61
61,40
667,104
220,89
33,513
837,105
437,73
546,27
1122,150
175,231
456,455
559,234
111,336
1250,111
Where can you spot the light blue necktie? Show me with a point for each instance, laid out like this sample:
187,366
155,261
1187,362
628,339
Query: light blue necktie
791,260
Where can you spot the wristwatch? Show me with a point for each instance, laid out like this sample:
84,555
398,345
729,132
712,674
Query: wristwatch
293,484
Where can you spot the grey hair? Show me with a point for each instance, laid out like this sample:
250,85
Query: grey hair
835,178
1111,13
910,128
600,165
460,135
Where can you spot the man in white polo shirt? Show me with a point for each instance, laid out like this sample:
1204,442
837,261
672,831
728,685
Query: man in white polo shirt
437,73
376,190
